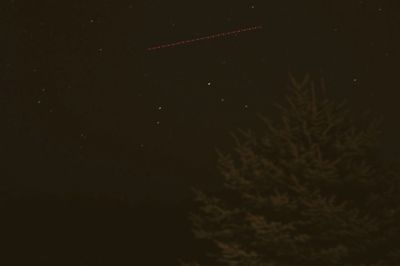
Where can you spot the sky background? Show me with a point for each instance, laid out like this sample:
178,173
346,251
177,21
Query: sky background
85,107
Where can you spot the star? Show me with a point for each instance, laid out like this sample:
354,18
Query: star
209,83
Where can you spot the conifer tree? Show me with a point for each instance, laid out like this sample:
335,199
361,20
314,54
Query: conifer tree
311,190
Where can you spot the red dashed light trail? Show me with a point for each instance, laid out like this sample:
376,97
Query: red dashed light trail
214,36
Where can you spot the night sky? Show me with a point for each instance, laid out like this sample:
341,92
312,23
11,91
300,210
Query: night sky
85,106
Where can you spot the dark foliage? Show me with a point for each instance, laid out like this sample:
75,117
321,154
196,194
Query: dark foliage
311,191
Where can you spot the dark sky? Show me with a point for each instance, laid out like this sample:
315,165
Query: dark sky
84,106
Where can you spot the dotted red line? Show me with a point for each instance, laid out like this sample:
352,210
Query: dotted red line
203,38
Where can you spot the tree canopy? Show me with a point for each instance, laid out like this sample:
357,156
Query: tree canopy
310,190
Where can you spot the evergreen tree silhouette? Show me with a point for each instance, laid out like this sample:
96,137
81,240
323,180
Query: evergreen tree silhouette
311,190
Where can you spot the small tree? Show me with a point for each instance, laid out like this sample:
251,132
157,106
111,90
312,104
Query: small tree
311,191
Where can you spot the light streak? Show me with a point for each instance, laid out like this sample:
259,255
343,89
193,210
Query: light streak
209,37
